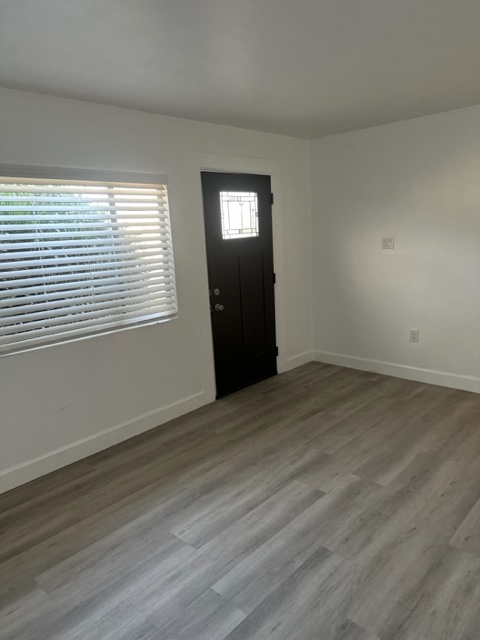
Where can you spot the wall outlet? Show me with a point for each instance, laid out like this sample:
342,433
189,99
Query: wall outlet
414,335
388,242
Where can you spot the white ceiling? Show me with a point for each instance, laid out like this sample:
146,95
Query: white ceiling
301,67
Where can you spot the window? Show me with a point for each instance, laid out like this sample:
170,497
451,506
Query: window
239,211
81,256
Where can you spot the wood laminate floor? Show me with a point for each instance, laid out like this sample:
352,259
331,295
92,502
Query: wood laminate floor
323,504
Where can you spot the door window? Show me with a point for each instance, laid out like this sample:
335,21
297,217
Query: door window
239,211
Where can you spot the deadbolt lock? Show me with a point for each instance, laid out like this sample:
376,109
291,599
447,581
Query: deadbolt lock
216,292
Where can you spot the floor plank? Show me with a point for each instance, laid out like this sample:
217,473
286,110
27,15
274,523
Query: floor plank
467,536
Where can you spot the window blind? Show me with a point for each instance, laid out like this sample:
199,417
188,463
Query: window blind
82,257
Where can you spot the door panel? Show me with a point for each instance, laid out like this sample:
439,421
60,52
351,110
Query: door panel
238,227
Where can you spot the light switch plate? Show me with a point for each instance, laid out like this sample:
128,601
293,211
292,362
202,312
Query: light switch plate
388,242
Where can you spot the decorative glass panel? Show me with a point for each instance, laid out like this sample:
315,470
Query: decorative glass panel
239,211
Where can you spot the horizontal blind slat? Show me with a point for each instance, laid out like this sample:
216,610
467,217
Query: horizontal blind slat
138,247
83,296
17,233
90,327
22,295
65,188
113,301
126,257
34,196
95,269
73,315
72,281
81,207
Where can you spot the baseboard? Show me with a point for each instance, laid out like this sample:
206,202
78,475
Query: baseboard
298,360
26,471
429,376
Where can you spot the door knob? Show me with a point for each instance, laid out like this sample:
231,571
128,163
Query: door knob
219,307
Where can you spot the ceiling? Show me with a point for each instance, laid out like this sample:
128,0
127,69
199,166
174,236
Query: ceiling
305,68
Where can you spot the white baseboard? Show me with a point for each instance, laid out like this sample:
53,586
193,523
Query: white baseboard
31,469
429,376
298,360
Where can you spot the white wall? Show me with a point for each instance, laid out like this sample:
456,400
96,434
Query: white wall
64,402
418,181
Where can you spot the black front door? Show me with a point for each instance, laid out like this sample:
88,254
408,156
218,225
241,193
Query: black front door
238,226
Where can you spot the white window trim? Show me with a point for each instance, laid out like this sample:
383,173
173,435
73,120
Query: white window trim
90,175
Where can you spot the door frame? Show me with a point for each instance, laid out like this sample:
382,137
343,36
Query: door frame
198,162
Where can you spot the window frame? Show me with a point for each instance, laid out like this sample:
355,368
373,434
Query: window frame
152,181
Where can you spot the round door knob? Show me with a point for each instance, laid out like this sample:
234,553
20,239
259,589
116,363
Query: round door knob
219,307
